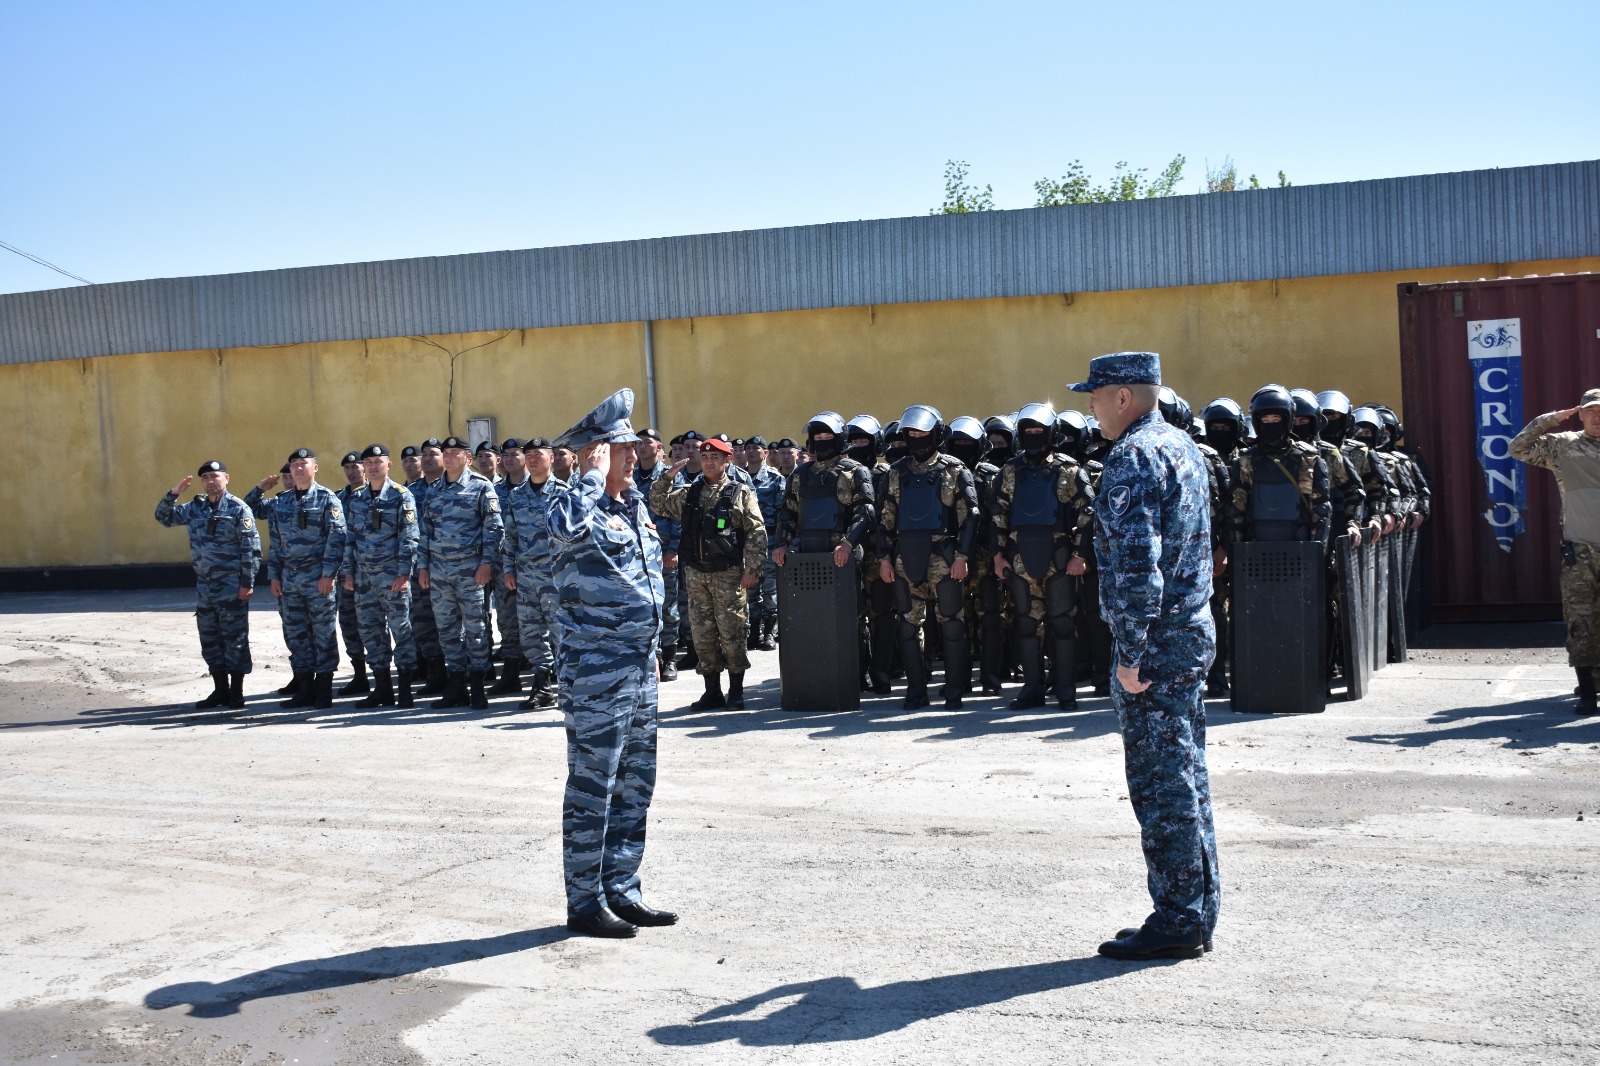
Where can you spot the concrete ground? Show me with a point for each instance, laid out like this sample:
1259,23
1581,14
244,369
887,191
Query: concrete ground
1410,878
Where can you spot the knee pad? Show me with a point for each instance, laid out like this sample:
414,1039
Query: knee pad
1059,600
951,599
902,595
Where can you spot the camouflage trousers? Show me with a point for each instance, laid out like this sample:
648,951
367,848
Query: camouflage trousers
458,610
309,622
1164,754
946,596
224,623
537,633
424,630
670,581
1049,596
508,618
383,613
349,621
1580,602
717,620
608,699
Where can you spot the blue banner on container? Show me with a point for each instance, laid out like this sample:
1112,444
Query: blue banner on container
1495,348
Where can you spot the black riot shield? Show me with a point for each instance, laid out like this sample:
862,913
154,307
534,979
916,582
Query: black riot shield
1277,627
817,657
1396,650
1380,604
1355,617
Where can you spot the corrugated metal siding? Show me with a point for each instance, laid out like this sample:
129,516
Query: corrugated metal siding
1472,579
1487,216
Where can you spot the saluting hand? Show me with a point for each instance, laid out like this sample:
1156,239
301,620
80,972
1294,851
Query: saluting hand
596,457
676,468
268,482
177,490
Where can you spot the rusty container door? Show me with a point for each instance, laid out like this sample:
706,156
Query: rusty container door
1455,385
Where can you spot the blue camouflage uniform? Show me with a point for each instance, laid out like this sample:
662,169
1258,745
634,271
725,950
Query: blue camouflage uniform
349,620
608,577
770,487
225,549
526,552
669,530
424,630
381,547
503,600
461,530
308,545
1153,547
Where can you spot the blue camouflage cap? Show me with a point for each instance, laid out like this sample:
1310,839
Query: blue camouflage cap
608,422
1121,368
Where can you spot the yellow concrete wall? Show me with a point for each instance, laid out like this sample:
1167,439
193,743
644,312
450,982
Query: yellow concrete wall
107,436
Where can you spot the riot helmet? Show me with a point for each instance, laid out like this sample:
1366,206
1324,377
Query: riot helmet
1197,430
1005,428
1175,410
1224,424
1095,443
1391,423
894,442
1269,401
1366,426
967,441
926,420
1036,429
864,438
1306,407
830,422
1335,415
1072,433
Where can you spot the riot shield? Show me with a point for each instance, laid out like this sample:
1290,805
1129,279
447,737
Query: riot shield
1355,615
1278,601
818,663
1396,649
1380,604
1367,554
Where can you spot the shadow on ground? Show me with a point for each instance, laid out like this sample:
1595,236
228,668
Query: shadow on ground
215,1000
835,1009
1540,722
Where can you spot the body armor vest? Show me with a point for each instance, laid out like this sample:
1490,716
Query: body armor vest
820,513
920,517
1035,516
1275,508
711,541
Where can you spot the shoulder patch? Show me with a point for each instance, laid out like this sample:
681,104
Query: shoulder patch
249,520
494,505
1117,498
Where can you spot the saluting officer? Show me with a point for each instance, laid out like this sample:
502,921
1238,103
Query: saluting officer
308,548
461,531
225,550
379,557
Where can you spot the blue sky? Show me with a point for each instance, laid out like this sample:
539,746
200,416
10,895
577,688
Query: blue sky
169,139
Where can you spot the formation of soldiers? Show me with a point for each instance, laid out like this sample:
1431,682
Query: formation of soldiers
973,539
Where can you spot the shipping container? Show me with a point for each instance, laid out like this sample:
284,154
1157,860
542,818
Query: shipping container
1479,360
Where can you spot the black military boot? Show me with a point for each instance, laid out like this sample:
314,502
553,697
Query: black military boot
322,691
713,699
403,696
510,679
302,692
434,677
752,634
219,692
691,659
454,692
480,702
1586,692
357,685
292,688
1031,660
957,669
382,691
236,692
916,670
1067,674
735,691
669,662
766,643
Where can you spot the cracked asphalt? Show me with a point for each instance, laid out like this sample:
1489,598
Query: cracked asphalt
1409,878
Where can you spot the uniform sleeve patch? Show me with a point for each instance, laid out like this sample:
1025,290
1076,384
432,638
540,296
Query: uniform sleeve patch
1118,498
249,522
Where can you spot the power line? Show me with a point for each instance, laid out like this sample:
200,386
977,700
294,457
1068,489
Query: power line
43,263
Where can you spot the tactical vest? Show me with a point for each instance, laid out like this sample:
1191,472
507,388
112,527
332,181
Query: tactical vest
712,542
821,516
1035,515
1276,512
920,517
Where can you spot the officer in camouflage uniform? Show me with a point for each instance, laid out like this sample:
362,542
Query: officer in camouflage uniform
286,484
828,503
1224,421
1411,460
225,549
649,467
785,457
878,616
769,485
514,464
983,615
1368,430
527,558
1154,547
723,543
429,463
608,573
928,528
379,557
1574,457
307,551
1279,484
1043,515
1382,496
1347,497
1072,440
349,624
461,531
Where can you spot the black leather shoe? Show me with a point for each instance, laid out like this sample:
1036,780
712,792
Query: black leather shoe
639,914
1147,943
915,700
952,703
601,923
1123,934
1027,699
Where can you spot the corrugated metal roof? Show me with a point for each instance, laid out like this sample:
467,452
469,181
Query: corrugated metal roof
1484,216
